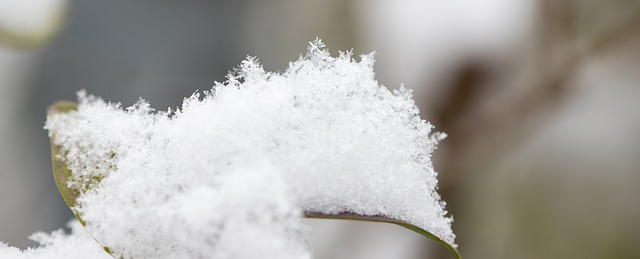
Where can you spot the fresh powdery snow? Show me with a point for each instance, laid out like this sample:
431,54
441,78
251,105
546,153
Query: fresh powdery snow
58,245
230,173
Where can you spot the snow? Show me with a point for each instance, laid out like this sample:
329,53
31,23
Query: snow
58,245
229,174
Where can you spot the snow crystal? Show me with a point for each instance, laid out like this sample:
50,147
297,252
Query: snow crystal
230,173
58,245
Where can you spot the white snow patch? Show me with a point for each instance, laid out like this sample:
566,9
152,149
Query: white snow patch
58,245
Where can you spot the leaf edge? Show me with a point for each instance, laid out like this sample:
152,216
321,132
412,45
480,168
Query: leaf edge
384,219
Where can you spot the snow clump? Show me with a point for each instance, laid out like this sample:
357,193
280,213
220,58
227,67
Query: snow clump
58,245
230,173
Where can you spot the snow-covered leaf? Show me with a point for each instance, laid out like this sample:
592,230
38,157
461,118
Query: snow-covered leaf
242,163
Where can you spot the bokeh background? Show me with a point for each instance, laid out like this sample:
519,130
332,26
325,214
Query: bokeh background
540,99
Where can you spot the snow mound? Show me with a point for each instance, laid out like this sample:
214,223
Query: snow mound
229,174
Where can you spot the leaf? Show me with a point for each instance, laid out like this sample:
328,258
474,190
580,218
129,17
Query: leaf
383,219
61,175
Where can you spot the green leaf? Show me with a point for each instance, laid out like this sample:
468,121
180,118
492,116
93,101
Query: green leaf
61,175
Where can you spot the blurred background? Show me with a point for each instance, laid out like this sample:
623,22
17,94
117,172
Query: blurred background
540,100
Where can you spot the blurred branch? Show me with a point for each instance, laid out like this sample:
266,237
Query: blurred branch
487,120
484,126
626,28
